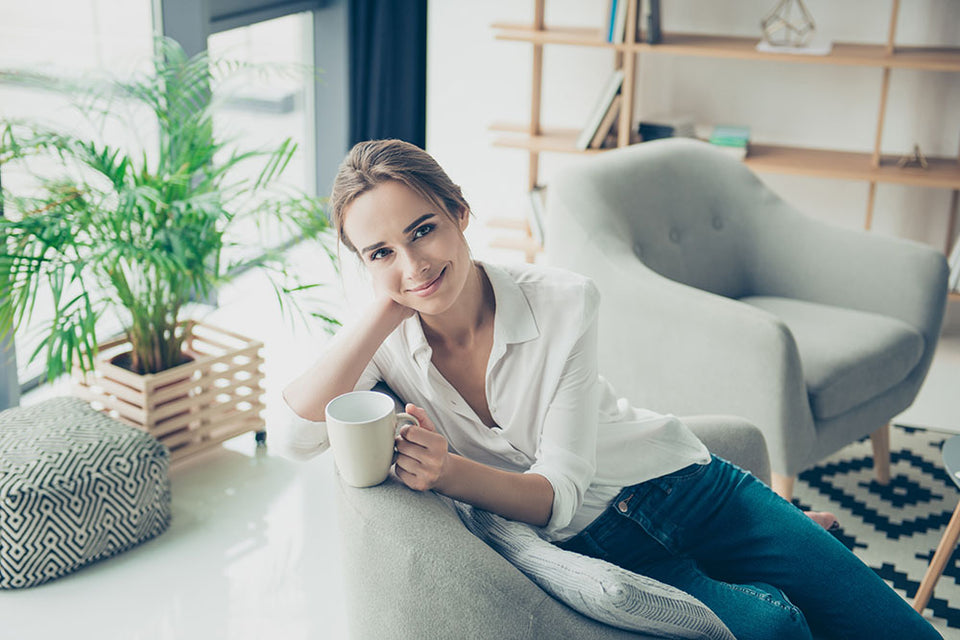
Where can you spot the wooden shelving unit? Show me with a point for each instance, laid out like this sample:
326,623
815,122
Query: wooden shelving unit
871,167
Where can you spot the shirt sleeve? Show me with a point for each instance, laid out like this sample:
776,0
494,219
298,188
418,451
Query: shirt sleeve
298,438
567,451
301,439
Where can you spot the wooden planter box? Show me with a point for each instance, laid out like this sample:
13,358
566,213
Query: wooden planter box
192,407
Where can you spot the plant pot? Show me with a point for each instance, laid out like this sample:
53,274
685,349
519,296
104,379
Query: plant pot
191,407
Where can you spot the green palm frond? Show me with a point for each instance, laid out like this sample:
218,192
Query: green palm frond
133,231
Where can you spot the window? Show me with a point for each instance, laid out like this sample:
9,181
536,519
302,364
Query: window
63,37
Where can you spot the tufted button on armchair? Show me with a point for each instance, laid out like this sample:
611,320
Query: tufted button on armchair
719,297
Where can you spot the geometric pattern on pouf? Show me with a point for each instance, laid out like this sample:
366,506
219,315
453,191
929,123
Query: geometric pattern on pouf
76,486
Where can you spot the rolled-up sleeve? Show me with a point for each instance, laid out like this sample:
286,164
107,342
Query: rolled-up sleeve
297,438
567,451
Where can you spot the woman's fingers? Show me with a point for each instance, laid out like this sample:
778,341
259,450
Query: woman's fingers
410,449
421,415
421,452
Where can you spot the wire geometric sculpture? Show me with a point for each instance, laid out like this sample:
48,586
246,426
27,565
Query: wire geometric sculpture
782,29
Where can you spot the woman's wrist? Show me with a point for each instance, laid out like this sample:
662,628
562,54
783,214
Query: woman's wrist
446,483
388,314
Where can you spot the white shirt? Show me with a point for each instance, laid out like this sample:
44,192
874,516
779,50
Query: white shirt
555,415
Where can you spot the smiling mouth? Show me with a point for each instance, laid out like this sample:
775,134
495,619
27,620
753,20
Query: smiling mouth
429,287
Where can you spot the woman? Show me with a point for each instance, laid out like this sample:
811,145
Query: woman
500,366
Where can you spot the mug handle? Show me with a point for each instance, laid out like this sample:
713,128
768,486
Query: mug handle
405,419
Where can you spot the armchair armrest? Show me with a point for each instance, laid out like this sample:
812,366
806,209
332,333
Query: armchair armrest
796,256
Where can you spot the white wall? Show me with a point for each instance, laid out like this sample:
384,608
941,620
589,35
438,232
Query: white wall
474,80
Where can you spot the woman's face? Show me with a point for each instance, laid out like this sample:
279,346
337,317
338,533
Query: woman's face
414,251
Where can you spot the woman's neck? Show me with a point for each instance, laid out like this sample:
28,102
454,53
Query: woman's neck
470,314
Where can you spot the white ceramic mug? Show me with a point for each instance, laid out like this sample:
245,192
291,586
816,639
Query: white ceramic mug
361,426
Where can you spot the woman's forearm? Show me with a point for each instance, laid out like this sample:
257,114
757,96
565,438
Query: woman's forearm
527,497
343,361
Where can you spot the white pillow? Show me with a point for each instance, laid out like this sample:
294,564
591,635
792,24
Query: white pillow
596,588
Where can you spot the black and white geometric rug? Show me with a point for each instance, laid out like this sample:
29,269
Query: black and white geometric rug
894,529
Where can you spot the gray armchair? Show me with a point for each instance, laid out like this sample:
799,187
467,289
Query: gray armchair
414,572
719,297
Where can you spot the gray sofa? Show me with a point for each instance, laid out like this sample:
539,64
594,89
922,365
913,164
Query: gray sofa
412,570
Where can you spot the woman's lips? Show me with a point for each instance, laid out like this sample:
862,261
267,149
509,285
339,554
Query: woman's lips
430,287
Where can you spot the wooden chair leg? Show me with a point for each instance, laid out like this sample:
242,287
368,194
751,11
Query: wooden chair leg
783,485
880,439
939,562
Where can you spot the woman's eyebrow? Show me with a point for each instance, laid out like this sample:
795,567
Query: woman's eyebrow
417,222
376,245
408,229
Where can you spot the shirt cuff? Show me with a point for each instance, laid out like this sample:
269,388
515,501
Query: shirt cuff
299,439
569,481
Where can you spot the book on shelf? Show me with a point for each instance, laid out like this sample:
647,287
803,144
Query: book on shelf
616,24
666,126
599,111
953,282
653,30
733,140
615,20
537,208
608,123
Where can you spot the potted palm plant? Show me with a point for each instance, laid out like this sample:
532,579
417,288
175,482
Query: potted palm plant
137,234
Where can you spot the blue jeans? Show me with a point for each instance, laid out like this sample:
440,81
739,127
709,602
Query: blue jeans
766,569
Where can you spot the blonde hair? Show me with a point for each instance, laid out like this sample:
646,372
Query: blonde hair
371,163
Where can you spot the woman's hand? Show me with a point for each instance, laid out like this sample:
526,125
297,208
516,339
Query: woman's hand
422,456
392,312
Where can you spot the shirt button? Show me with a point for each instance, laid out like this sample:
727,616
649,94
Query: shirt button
622,506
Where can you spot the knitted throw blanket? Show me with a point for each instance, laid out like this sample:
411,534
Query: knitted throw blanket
595,588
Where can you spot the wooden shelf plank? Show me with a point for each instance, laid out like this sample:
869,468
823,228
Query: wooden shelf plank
941,173
578,36
929,58
509,223
528,246
560,140
846,165
744,48
842,53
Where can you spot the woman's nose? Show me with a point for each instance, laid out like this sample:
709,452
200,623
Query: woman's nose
416,263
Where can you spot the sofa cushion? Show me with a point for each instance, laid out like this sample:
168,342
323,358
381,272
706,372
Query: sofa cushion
595,588
848,357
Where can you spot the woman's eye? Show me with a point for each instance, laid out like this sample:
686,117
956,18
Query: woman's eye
379,253
424,230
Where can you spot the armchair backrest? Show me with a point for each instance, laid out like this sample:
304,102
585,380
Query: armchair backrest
686,209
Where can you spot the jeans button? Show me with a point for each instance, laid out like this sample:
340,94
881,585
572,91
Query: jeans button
622,506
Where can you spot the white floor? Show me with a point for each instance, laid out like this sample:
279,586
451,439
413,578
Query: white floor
253,550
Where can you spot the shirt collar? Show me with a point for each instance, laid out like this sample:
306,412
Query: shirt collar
513,319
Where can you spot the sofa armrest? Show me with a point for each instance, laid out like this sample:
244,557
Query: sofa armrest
414,572
733,439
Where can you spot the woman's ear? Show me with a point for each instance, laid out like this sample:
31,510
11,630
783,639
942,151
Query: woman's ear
464,218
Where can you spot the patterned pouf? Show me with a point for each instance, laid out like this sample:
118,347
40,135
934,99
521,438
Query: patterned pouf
76,486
